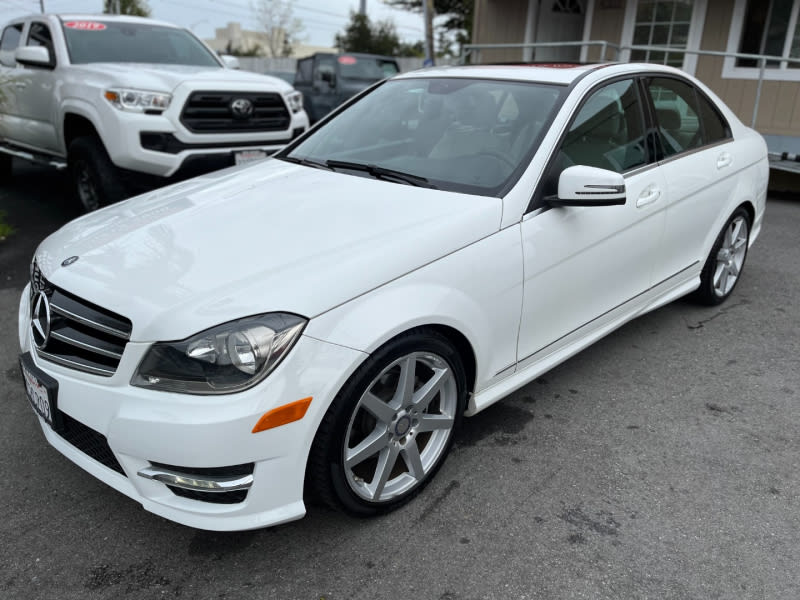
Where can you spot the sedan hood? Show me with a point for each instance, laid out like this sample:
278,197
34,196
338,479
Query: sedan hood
243,241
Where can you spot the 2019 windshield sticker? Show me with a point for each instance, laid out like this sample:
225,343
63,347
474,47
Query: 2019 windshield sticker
85,25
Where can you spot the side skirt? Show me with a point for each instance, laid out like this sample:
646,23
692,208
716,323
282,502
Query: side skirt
554,354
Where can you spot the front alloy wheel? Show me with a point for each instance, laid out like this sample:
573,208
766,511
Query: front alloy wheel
390,427
400,427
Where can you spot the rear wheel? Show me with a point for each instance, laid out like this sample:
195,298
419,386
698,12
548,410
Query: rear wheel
390,427
96,181
725,262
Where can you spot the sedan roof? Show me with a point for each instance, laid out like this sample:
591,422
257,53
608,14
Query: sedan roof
558,73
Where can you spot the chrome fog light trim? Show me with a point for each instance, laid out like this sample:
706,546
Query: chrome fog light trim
199,484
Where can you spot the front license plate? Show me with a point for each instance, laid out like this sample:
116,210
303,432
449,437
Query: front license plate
248,156
40,388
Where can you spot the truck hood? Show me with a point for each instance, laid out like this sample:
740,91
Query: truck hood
165,78
248,240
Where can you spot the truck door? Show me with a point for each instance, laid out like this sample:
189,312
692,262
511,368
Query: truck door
35,90
9,73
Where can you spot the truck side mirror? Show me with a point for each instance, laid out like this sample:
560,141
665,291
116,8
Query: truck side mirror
33,56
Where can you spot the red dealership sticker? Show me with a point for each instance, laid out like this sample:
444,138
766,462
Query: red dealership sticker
85,25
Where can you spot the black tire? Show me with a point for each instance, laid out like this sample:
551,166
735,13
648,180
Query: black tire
96,182
713,290
5,166
328,478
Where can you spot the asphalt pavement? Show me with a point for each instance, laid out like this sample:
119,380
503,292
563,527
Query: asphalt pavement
660,463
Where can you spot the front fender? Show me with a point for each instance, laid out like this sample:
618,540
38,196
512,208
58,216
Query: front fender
82,108
476,291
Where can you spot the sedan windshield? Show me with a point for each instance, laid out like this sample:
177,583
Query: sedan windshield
114,41
467,135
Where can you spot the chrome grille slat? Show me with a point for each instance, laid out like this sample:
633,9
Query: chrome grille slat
75,364
82,336
74,341
88,322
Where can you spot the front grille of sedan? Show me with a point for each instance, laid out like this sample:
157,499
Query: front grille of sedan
82,335
211,112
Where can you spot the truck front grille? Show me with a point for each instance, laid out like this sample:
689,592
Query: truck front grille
215,112
80,335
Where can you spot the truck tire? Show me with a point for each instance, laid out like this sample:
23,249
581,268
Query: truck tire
96,182
5,167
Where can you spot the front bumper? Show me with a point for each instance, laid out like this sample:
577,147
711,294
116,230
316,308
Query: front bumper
124,141
143,427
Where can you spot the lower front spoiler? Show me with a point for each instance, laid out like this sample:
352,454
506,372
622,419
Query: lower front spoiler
169,506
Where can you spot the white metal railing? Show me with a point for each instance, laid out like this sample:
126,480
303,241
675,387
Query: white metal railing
469,50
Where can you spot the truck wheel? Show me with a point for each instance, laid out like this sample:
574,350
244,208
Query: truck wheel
95,180
5,167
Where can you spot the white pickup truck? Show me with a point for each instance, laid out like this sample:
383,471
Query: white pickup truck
122,101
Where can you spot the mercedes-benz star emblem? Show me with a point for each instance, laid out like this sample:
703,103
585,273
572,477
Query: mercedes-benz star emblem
242,108
68,261
40,320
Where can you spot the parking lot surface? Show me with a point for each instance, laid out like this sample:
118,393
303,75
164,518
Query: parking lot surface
662,462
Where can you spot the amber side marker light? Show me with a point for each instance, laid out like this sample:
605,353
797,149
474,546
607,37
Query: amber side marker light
111,96
288,413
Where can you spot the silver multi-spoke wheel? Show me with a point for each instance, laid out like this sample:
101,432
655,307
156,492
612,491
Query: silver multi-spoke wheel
730,256
400,427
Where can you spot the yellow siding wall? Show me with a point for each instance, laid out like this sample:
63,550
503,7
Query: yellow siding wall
778,111
606,26
499,22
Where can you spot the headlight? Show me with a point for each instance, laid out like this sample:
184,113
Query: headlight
294,100
138,100
221,360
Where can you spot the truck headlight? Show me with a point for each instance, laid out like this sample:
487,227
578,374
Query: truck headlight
224,359
294,100
138,100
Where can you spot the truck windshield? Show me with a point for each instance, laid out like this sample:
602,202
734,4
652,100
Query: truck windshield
466,135
367,68
113,41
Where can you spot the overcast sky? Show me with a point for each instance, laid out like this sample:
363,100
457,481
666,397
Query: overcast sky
321,19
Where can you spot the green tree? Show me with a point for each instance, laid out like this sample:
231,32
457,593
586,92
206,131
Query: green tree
136,8
361,35
456,14
254,50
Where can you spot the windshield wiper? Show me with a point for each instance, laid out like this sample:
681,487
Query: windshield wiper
382,173
305,161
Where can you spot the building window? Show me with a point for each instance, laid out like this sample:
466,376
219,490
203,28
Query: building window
770,28
666,32
765,27
665,24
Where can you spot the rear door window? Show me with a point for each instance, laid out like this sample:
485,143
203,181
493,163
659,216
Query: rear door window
11,37
677,115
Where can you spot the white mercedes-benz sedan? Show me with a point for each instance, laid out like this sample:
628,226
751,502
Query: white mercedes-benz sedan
320,322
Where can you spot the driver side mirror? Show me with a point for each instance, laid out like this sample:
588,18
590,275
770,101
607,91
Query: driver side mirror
33,56
580,185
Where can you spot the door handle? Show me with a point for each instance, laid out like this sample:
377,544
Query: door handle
648,196
20,85
723,160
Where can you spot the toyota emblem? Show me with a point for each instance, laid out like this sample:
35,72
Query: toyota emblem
40,320
242,108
